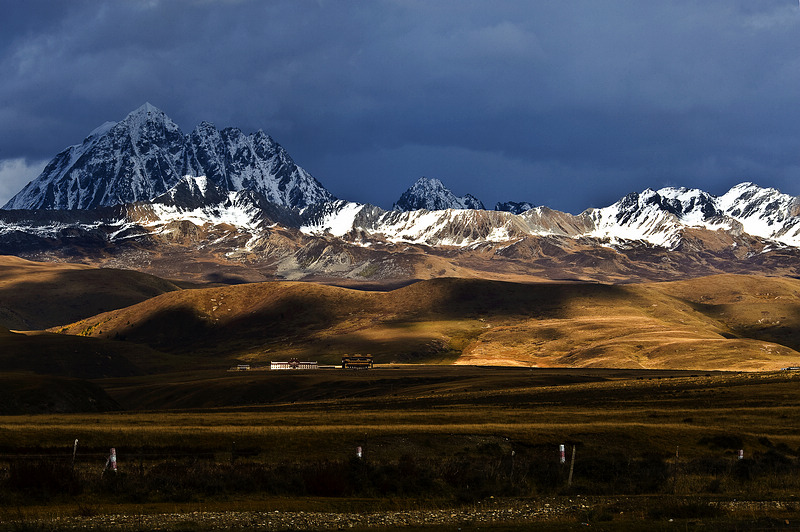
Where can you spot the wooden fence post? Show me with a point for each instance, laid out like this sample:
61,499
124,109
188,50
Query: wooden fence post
675,474
571,467
74,451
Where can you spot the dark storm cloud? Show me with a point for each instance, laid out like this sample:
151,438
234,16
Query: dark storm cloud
570,104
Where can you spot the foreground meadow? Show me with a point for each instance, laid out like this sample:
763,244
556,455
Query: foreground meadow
648,447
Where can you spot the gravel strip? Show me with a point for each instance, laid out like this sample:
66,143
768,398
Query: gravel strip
278,520
493,513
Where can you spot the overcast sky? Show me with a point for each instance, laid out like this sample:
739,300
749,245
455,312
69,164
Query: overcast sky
565,103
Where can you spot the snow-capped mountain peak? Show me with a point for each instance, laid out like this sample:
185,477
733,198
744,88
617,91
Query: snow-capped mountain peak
660,217
133,160
764,212
145,154
654,217
431,194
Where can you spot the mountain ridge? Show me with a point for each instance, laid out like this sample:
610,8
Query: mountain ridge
198,231
246,205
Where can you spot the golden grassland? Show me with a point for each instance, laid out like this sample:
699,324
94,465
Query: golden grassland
654,411
731,322
728,322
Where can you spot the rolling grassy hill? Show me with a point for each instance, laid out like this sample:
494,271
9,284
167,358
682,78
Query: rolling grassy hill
694,324
47,372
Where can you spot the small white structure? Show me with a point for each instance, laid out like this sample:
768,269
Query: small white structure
293,363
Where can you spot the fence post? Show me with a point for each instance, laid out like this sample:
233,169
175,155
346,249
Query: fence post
74,451
111,461
571,467
677,470
233,452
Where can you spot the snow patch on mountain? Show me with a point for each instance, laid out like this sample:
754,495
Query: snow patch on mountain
449,227
337,219
197,200
101,130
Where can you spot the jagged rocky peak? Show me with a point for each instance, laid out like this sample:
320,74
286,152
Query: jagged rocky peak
514,207
757,207
149,128
748,200
236,161
689,201
132,160
144,155
690,205
431,194
661,216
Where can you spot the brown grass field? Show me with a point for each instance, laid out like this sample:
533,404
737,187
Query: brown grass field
439,435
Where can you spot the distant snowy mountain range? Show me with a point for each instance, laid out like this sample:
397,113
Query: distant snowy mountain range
142,178
654,217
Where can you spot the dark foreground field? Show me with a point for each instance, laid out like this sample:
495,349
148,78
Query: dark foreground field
444,447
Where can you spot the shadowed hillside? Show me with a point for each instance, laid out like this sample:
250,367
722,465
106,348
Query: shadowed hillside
37,295
38,394
85,358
